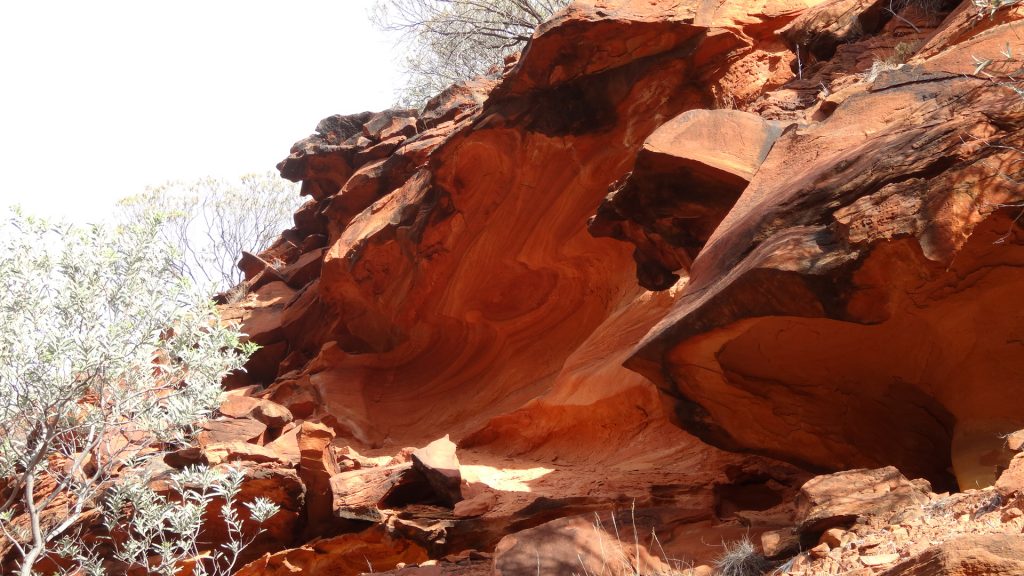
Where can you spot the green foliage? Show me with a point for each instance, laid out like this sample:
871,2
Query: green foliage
168,529
447,41
106,355
160,532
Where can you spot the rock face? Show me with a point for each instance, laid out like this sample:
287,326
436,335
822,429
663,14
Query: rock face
995,554
802,267
849,302
687,176
841,499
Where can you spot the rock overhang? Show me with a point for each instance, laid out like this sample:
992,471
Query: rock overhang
866,259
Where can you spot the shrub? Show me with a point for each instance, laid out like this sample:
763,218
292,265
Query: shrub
107,355
990,7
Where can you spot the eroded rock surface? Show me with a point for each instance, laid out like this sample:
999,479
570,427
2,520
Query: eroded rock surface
687,176
990,554
835,263
846,310
838,500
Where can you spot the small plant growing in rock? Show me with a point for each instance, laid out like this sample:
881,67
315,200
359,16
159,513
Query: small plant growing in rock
236,294
879,66
164,530
901,53
990,7
904,51
741,558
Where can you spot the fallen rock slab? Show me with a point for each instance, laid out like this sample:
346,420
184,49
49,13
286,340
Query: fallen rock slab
230,430
271,413
838,500
438,462
233,451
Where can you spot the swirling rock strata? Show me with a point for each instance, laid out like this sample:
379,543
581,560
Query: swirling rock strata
830,294
459,292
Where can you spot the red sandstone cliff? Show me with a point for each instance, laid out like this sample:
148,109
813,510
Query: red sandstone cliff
659,267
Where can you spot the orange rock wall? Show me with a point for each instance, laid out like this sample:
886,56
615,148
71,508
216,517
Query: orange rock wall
845,297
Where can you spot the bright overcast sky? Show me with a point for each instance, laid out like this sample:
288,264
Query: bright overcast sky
100,98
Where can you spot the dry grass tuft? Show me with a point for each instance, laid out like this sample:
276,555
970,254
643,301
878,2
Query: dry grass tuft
741,558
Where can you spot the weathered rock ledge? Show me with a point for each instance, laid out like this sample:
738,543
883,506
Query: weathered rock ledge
659,273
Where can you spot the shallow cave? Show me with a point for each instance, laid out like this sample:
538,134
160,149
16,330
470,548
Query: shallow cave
412,488
925,372
756,495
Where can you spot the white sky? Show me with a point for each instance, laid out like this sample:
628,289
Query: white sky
100,98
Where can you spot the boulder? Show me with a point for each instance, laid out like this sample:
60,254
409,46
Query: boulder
1011,480
287,445
1015,441
237,405
360,494
271,413
438,462
230,430
838,500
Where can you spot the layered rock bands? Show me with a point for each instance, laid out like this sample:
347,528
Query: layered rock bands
667,265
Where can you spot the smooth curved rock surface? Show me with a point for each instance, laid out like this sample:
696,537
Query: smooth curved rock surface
837,260
840,300
460,292
478,267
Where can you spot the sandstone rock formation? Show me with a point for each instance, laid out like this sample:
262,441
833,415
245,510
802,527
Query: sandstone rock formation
841,499
805,265
833,253
836,302
688,175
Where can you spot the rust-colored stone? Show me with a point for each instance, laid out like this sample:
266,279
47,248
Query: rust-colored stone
438,462
347,555
831,292
839,499
231,430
